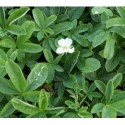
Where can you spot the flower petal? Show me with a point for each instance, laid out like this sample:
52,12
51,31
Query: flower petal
68,41
71,50
65,42
61,42
59,50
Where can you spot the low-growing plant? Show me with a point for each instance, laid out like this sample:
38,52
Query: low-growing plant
62,62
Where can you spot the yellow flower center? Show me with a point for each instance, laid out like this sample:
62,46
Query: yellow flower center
65,48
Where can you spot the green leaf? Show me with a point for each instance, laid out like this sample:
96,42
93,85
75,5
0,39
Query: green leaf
92,36
48,30
20,55
2,63
43,100
63,26
119,30
80,39
109,48
71,104
16,30
100,85
13,55
30,47
53,46
71,62
38,17
80,28
55,110
38,115
121,11
97,108
99,39
112,63
71,82
57,59
62,17
109,91
37,76
69,115
108,112
51,73
83,113
115,22
98,10
118,97
2,17
17,14
118,106
16,75
7,43
24,107
7,110
92,95
3,55
40,35
48,55
121,69
32,96
50,20
117,80
7,87
58,68
80,80
75,12
90,65
61,90
29,26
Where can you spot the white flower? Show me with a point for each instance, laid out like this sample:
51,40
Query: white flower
65,46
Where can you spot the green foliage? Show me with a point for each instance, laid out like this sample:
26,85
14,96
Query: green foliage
86,80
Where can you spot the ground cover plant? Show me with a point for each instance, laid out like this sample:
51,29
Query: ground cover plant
62,62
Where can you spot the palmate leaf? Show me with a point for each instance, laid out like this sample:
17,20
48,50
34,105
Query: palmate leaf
37,82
